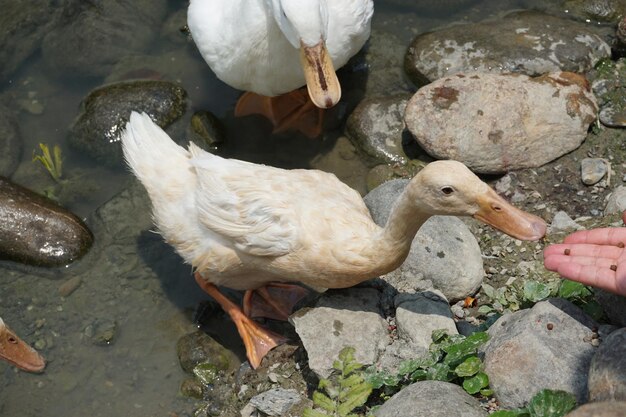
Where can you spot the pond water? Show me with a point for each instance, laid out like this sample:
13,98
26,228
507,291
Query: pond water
139,374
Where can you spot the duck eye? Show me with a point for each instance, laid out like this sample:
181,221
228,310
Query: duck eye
447,190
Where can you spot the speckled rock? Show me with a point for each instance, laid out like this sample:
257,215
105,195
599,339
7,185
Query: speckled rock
444,254
494,123
106,110
616,202
592,170
547,346
376,126
10,142
526,42
607,374
431,399
93,36
36,231
600,409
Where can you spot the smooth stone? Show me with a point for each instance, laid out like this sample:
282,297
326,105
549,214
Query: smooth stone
616,202
206,130
10,142
607,374
431,399
547,346
562,222
342,318
200,348
276,402
526,42
600,409
496,123
106,110
592,170
444,254
23,25
34,230
91,38
376,127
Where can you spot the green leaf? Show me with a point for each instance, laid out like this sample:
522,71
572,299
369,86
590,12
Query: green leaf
440,372
356,397
476,383
521,412
459,351
350,381
572,289
419,375
551,403
468,367
535,291
488,290
438,335
484,309
323,401
594,309
486,392
313,413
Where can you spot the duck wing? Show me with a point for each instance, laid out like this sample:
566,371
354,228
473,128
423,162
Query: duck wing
241,202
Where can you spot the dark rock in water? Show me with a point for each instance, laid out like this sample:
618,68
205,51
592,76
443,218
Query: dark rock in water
199,348
525,42
93,36
23,25
36,231
602,11
107,109
10,143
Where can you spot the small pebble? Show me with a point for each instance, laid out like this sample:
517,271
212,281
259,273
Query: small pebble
613,267
620,244
566,252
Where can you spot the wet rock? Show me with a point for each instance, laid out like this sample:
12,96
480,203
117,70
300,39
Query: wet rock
93,36
592,170
349,317
276,402
495,123
607,374
432,7
561,222
616,202
36,231
102,332
525,42
431,399
206,130
600,409
23,25
547,346
192,388
444,254
10,142
107,109
199,348
605,11
376,127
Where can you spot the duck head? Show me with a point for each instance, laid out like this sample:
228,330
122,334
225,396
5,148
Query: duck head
450,188
305,25
15,351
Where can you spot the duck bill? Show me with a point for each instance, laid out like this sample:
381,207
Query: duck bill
319,73
496,212
15,351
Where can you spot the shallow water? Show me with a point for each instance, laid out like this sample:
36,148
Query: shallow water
150,298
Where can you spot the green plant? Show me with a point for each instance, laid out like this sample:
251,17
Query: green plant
344,391
52,162
546,403
451,358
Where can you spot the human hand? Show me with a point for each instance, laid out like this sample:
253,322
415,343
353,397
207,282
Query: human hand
593,257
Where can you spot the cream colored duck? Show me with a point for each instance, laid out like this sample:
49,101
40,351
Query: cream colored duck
15,351
244,226
272,47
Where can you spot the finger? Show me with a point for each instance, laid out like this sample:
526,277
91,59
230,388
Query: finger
595,276
583,249
553,262
603,236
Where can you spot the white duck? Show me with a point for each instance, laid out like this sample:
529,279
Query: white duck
15,351
244,226
272,47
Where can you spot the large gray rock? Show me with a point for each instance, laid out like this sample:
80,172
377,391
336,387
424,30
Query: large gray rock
494,123
616,202
431,399
10,142
276,402
444,254
600,409
547,346
525,42
106,110
94,36
36,231
607,374
339,319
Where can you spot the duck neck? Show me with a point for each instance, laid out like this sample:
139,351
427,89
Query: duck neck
403,223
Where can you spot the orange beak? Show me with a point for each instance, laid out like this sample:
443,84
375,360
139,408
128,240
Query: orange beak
15,351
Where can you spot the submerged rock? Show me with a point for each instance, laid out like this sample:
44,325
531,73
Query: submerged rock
494,123
199,348
525,42
107,109
36,231
605,11
10,143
